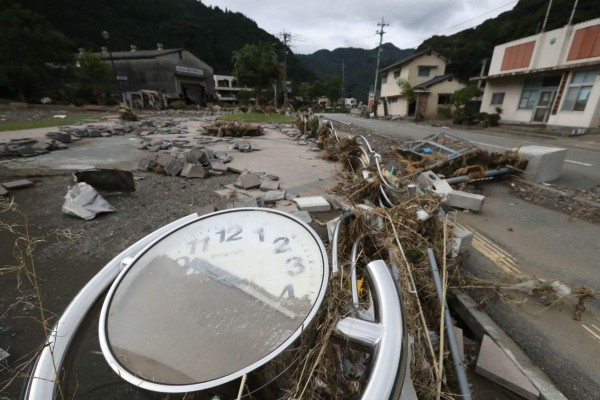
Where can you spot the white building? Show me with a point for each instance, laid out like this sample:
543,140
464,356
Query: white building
549,78
426,73
226,88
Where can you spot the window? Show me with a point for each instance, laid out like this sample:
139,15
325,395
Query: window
397,73
529,96
443,99
384,79
497,99
424,71
392,100
579,90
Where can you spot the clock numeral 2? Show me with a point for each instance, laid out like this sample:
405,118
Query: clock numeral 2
281,245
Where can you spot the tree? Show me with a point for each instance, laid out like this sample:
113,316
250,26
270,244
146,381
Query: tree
32,53
406,90
94,76
256,66
460,99
332,88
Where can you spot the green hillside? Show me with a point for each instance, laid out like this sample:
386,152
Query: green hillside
359,66
210,33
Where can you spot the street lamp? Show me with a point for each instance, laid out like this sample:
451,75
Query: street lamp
106,37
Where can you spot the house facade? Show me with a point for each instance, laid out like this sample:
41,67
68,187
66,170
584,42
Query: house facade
426,73
175,73
226,88
550,78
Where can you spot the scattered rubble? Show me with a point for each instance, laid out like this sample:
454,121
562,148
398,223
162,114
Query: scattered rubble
83,201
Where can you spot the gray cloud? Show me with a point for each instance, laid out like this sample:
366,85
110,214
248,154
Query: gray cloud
328,24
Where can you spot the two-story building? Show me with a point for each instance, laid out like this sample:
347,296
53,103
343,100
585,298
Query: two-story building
226,88
175,73
550,78
426,73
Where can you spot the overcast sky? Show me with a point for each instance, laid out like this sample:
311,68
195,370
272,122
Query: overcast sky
328,24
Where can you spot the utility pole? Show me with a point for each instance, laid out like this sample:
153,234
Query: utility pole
287,38
546,18
343,86
380,32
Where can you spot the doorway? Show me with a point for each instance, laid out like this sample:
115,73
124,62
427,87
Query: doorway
544,105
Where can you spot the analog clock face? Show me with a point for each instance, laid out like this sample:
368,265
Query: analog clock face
213,299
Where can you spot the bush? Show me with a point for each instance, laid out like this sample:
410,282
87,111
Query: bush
177,105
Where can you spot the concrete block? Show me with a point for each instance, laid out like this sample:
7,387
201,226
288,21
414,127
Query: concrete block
196,172
193,156
465,200
248,181
18,184
187,167
146,164
313,204
303,216
267,185
496,366
164,158
462,241
544,164
174,167
273,196
3,191
243,202
430,180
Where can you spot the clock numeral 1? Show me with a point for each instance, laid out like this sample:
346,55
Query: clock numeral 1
261,234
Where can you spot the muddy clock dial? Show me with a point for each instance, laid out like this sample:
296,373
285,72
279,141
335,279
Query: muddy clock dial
213,299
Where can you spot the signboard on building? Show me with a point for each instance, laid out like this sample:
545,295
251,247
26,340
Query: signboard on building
189,71
121,77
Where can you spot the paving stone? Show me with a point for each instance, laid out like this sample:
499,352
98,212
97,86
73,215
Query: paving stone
18,184
3,191
174,167
197,171
243,146
3,355
286,206
303,216
221,155
186,169
313,204
146,164
496,366
248,181
267,185
272,196
218,166
26,151
164,158
243,202
193,156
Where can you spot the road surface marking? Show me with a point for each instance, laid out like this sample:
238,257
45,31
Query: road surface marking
592,333
502,258
579,163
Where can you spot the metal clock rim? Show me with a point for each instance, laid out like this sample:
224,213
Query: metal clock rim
182,388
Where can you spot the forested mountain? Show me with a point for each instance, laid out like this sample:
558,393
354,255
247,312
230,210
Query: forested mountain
359,66
467,49
210,33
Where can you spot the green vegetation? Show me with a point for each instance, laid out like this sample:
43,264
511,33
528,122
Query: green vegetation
258,117
359,70
43,123
256,66
464,111
406,90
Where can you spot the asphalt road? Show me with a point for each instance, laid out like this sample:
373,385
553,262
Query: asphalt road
581,168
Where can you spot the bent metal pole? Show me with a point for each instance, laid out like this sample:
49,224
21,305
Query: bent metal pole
461,377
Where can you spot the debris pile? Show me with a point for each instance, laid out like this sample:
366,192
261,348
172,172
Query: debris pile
233,129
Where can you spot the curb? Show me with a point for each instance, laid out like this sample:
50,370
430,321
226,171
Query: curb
481,323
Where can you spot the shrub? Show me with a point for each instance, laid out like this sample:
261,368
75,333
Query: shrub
177,105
